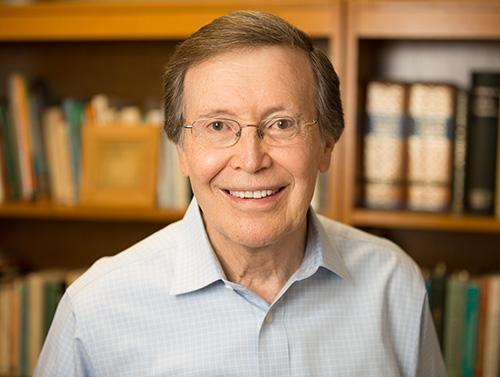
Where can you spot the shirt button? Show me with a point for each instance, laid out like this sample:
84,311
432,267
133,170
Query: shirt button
269,318
228,287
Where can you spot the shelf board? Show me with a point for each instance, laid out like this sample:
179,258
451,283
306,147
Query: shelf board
125,20
424,221
50,211
426,19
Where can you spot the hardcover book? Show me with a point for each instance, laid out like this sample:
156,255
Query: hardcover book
481,170
431,109
384,145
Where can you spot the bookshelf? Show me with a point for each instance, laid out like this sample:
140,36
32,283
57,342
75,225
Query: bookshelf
430,41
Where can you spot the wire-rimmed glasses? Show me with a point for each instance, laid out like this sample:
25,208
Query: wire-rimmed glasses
225,132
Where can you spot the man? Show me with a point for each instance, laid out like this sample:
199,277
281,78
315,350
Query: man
251,282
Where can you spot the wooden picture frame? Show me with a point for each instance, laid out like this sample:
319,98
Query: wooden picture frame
119,165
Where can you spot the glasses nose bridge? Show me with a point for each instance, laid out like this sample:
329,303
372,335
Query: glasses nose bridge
257,126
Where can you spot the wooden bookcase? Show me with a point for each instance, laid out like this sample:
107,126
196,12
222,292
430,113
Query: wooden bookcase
117,48
418,41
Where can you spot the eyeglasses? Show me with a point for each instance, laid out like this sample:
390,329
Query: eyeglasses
223,132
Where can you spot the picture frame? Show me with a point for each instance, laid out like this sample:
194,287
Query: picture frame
119,165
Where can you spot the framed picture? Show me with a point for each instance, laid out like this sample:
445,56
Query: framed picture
119,165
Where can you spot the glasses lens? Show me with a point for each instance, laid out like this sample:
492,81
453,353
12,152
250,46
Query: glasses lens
280,130
216,132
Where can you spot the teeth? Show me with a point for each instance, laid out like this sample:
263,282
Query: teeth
253,194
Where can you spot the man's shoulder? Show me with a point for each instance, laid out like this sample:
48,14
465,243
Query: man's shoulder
152,255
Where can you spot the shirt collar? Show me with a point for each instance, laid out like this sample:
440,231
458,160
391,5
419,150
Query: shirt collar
196,265
320,252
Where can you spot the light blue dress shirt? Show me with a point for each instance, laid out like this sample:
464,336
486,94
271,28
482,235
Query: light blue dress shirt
357,306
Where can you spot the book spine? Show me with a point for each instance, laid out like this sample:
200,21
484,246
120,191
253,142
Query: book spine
483,138
460,152
491,352
454,325
481,327
437,299
10,155
470,331
20,120
384,145
430,147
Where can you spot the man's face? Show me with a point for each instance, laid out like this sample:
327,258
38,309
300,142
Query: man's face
250,85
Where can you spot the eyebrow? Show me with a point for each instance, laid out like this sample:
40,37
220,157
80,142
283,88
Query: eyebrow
224,112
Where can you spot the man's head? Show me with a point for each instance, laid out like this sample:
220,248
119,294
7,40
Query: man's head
254,81
244,30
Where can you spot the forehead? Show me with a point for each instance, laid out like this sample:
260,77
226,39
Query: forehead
250,81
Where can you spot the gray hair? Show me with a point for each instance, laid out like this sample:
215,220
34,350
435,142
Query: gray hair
248,29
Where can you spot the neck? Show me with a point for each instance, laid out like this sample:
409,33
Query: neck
264,270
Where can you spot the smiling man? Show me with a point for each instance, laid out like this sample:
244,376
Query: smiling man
251,282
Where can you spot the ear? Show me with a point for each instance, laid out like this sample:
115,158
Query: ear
181,153
326,155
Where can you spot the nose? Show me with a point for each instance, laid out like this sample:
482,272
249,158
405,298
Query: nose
249,153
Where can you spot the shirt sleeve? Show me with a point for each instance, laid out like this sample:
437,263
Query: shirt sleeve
430,358
63,354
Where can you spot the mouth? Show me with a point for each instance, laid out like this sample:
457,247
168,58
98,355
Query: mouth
254,194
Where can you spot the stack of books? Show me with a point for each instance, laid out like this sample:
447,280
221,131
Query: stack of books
432,146
466,314
27,306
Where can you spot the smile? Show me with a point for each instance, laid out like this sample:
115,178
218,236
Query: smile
253,194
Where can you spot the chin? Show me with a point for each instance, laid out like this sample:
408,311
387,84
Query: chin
258,237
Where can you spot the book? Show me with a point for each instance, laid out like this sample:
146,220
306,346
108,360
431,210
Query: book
437,301
9,155
460,151
19,117
481,327
491,351
56,134
470,331
172,190
431,109
36,102
74,116
384,145
481,170
455,323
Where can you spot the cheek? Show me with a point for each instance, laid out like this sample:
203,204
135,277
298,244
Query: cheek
302,163
205,166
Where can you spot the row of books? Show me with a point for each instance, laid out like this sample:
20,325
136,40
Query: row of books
466,313
41,145
433,147
27,307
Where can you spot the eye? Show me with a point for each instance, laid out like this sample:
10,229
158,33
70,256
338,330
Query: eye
282,124
217,125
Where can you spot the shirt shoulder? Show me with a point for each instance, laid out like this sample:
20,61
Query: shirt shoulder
372,258
154,255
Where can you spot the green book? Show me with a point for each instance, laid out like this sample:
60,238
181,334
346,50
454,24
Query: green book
24,331
470,330
456,295
52,293
73,113
8,141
